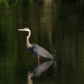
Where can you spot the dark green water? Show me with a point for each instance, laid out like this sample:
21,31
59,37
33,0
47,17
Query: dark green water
58,26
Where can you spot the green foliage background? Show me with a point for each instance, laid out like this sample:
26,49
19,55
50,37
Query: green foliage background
59,28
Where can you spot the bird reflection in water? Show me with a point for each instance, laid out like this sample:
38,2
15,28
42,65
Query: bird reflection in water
37,70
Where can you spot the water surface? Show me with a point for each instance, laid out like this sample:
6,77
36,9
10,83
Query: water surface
58,26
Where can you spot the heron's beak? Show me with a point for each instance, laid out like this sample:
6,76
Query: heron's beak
20,30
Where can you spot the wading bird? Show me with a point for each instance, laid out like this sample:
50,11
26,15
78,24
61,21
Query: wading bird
36,49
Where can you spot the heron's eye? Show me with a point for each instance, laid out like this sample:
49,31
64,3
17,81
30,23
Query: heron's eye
25,28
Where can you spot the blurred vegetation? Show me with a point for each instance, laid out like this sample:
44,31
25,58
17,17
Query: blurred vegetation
30,2
57,27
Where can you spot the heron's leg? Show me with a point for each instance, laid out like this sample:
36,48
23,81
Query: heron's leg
38,60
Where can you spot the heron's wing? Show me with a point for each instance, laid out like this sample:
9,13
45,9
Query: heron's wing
41,51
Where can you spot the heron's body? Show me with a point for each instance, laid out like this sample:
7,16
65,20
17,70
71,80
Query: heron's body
36,49
39,51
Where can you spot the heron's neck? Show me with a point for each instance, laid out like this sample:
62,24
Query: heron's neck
28,44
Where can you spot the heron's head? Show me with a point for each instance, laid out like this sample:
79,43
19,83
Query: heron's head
24,29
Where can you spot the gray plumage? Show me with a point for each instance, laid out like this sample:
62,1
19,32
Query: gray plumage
36,49
39,51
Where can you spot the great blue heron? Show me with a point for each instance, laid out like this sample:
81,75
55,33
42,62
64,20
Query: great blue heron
36,49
